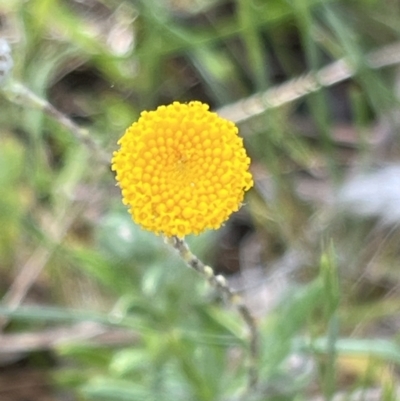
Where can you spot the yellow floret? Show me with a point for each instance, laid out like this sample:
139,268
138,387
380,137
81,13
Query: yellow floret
182,169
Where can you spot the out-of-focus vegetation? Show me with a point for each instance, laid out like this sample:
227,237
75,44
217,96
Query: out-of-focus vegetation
104,310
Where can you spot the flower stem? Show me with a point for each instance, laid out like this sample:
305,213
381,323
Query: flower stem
231,296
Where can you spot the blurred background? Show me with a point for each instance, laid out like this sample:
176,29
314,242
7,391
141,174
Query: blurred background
94,308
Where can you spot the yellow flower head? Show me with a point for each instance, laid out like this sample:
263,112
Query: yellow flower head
182,169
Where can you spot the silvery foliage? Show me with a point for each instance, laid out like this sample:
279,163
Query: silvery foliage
6,61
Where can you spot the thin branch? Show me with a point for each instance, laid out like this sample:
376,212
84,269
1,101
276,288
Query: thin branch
18,93
299,87
232,297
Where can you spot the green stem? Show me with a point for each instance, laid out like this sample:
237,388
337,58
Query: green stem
232,297
17,93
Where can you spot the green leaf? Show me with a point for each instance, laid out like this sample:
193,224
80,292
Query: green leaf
106,389
375,348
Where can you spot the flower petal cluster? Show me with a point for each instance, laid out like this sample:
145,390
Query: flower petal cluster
182,169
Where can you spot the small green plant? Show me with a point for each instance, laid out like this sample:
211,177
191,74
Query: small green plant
311,311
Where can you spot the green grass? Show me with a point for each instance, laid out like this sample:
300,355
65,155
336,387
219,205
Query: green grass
332,326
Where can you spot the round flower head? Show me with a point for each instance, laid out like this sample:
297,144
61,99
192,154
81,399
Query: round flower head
182,169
